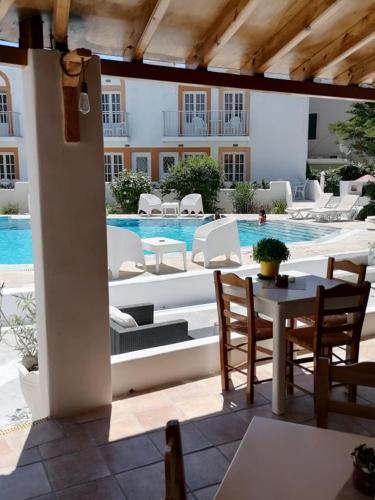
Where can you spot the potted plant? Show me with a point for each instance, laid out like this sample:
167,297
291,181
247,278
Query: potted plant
19,332
270,252
364,470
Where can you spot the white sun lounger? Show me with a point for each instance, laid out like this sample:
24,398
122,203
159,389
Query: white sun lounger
123,246
149,203
302,211
219,237
192,204
345,209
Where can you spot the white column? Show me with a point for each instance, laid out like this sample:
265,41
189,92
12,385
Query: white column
69,240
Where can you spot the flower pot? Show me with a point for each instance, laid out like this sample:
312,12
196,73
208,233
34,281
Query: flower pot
30,387
363,481
269,269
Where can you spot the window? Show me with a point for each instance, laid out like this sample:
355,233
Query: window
194,105
141,162
234,167
166,161
313,120
111,107
233,105
113,164
3,108
186,156
7,167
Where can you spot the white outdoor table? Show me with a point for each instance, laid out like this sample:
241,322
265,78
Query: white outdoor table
279,460
281,304
160,246
173,206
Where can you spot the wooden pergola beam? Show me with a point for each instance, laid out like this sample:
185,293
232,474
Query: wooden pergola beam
61,9
152,25
352,40
144,27
231,80
358,73
291,34
223,29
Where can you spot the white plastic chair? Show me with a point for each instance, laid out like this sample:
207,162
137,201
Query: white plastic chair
199,126
123,246
192,203
219,237
148,203
346,208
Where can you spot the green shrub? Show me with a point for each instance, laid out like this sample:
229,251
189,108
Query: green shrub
332,181
199,174
270,250
243,198
113,209
278,206
127,187
366,211
10,209
369,190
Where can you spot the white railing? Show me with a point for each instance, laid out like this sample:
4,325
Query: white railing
115,124
10,124
205,123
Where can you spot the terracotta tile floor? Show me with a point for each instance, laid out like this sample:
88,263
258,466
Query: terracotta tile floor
117,453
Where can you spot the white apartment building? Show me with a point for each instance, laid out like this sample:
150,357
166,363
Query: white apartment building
149,126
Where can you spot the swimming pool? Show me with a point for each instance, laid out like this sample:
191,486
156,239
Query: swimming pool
15,234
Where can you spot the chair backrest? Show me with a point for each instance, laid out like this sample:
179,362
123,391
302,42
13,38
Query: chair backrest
231,290
345,299
123,245
347,202
346,265
192,198
175,488
150,198
356,374
206,229
288,194
323,200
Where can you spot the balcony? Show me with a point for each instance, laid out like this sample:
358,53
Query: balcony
10,124
206,124
116,124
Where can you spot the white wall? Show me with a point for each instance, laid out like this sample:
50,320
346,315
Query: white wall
278,136
329,111
17,196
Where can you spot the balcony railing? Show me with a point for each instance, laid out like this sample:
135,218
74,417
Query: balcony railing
10,124
115,124
206,124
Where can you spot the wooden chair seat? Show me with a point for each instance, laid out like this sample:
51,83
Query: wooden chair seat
304,337
328,320
263,328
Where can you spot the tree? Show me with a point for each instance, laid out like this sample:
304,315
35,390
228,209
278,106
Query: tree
358,133
198,174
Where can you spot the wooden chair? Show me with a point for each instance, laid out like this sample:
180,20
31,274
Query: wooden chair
333,265
352,375
233,291
175,488
319,339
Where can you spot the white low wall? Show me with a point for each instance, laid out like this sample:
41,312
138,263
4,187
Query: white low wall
17,196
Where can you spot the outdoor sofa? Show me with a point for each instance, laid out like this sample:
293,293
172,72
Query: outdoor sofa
147,333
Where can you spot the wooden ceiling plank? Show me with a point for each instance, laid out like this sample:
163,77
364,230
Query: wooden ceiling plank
229,21
360,72
61,9
352,40
291,34
231,80
5,6
152,25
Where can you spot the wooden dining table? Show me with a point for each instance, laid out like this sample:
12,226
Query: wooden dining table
281,304
279,460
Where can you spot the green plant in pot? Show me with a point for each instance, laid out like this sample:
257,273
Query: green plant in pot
270,252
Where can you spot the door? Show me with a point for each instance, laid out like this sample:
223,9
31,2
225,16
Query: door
113,165
141,162
4,118
166,161
111,112
234,119
234,167
194,114
7,167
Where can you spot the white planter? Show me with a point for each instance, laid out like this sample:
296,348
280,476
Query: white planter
30,387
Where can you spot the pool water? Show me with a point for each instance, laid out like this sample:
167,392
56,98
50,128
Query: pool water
15,234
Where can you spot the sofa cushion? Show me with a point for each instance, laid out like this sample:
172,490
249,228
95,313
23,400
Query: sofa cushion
121,318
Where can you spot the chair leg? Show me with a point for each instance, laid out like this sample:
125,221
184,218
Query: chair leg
251,352
289,367
352,389
224,361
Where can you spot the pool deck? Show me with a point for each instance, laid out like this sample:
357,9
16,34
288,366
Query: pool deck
355,235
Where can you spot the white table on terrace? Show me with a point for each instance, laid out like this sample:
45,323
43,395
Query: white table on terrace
285,461
172,206
160,246
281,304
